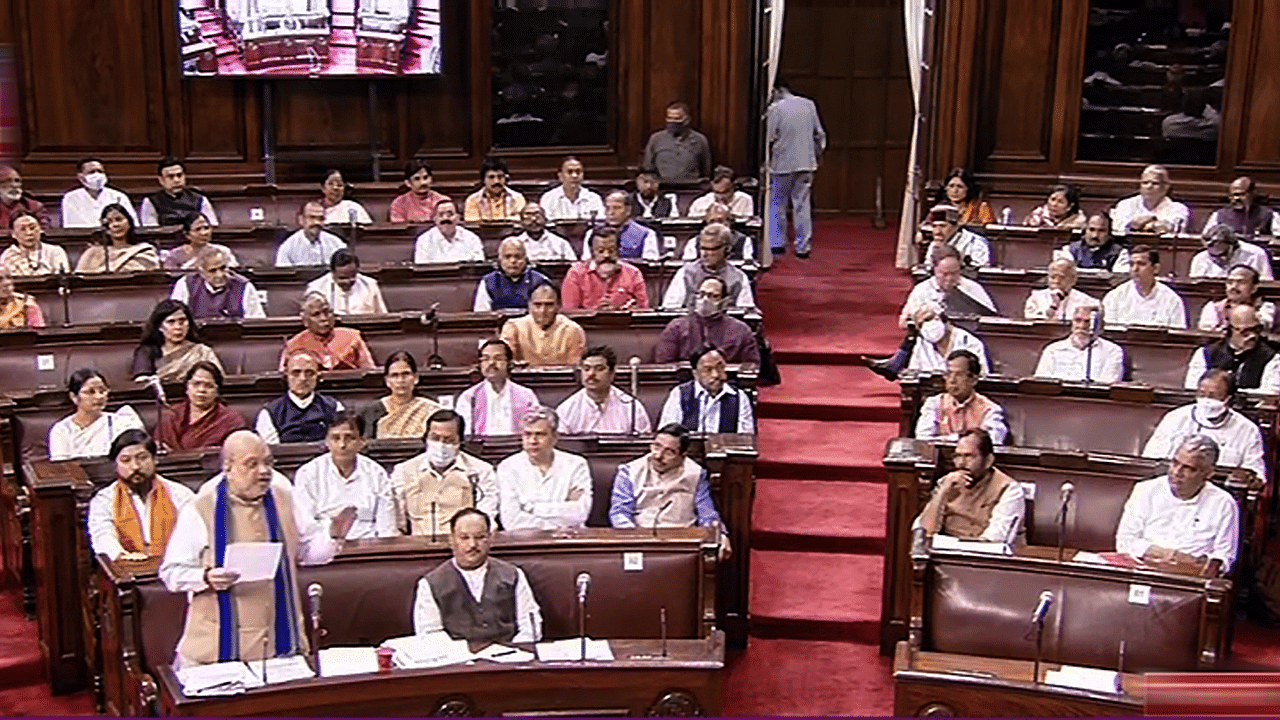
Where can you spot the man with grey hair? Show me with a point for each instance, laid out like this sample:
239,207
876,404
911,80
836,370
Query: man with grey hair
1151,210
13,199
1223,249
713,261
540,487
943,224
1182,517
1084,354
635,241
214,291
337,348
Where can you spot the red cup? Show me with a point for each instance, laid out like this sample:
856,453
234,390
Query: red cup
384,659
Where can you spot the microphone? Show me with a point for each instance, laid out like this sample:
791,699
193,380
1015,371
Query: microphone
1042,608
584,584
351,216
314,591
635,390
1068,490
1006,216
658,514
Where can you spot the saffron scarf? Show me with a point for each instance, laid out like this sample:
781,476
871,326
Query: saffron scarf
129,526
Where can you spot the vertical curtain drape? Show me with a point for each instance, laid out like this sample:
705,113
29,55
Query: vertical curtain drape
777,14
913,12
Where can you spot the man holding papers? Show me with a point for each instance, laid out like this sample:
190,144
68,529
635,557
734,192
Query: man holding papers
976,501
216,553
474,597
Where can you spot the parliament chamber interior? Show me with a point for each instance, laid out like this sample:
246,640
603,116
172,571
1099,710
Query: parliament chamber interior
557,358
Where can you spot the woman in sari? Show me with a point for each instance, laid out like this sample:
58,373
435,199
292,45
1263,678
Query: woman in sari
170,345
338,208
120,250
30,254
197,234
1060,210
88,431
17,310
400,414
202,419
960,189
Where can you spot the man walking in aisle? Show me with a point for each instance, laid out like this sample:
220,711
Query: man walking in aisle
796,141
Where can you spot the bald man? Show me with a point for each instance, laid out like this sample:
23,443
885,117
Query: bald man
337,348
311,244
1243,213
1244,353
1060,300
1151,210
13,198
508,287
228,620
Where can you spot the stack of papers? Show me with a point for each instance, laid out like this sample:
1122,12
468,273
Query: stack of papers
281,669
571,649
431,650
1083,678
946,542
228,678
337,661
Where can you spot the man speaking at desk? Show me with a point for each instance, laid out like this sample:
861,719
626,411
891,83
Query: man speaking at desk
975,501
475,597
1182,517
228,619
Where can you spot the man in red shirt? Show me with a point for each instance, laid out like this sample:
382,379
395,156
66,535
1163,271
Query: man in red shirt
604,282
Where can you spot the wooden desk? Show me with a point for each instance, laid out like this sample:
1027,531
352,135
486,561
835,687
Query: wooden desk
688,682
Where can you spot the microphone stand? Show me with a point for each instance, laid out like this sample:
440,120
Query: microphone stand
1062,527
64,290
433,522
352,231
663,619
635,393
1035,672
315,635
658,515
582,626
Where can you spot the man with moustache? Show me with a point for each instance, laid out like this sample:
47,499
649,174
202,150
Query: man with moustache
635,241
544,336
600,407
605,282
311,244
945,415
495,405
976,501
337,348
14,199
540,244
1244,214
133,517
1084,354
213,291
1244,353
447,242
1096,249
713,261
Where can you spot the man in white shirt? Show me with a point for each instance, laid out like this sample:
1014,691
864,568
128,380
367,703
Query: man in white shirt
213,291
302,414
1060,300
713,261
741,246
938,339
1084,354
1252,361
346,478
945,415
459,598
441,481
1241,289
82,207
495,405
976,501
540,487
132,518
1151,210
571,201
1182,517
600,407
634,240
1239,439
708,403
947,287
723,191
311,244
1223,249
540,244
348,291
944,223
447,242
1144,300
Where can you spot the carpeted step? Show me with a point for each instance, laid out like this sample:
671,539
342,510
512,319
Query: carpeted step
35,699
815,596
818,516
1254,647
813,450
797,677
20,660
825,392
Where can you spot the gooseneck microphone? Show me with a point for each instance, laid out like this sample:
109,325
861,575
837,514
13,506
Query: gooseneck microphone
1066,492
314,592
1042,608
584,585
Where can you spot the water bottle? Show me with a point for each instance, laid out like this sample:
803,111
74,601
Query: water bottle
1006,216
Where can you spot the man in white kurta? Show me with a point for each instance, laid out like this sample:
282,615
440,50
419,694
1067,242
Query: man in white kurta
1084,354
82,207
349,291
1241,289
431,487
252,494
1182,517
540,487
944,223
311,244
1244,352
1150,210
1224,250
570,200
1239,439
540,244
600,407
495,405
938,339
1144,300
133,531
447,242
946,279
708,403
345,477
945,415
1060,300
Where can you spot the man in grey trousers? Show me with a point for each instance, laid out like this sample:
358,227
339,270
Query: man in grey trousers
796,140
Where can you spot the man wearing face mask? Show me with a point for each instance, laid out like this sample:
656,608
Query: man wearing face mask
1083,355
1224,249
213,291
13,199
344,478
938,339
945,415
1244,353
635,241
495,405
1060,300
1145,300
1239,439
679,153
713,261
944,226
348,291
605,282
708,324
1096,249
540,244
82,207
708,403
946,289
431,487
976,501
508,287
1242,289
133,517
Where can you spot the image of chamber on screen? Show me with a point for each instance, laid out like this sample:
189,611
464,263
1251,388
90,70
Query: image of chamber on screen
309,37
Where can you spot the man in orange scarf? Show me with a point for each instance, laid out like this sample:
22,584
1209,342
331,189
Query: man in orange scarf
132,518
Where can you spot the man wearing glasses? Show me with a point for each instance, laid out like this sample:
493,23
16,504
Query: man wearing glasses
713,261
1244,353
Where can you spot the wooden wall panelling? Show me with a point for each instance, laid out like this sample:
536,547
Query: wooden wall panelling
1073,24
957,40
1016,112
725,80
675,44
1255,91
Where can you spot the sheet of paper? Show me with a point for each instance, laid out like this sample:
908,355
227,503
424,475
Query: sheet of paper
337,661
1083,678
1083,556
430,650
946,542
281,669
571,649
504,654
253,560
228,678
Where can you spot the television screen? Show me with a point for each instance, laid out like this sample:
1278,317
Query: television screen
309,38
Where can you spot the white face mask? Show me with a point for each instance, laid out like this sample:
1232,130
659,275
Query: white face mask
95,181
441,454
706,307
933,330
1209,408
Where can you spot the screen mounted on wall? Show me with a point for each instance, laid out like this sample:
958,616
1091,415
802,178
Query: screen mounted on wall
309,38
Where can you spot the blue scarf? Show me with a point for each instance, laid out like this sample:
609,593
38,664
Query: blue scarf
228,627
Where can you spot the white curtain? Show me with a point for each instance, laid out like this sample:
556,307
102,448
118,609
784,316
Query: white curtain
777,14
913,12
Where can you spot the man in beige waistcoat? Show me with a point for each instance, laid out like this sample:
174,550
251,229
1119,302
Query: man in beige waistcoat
945,415
976,501
430,488
248,502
